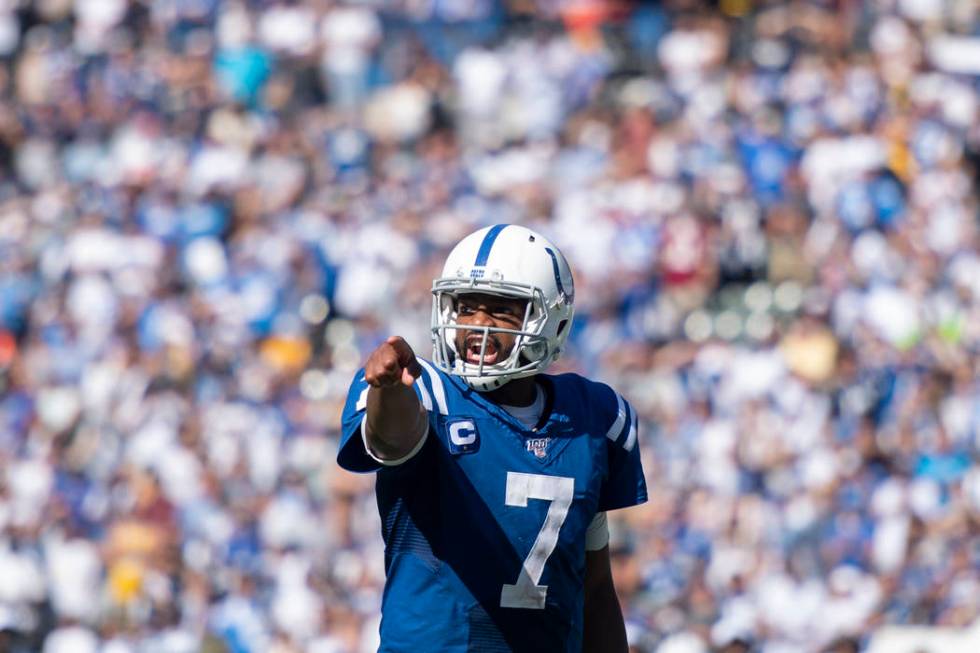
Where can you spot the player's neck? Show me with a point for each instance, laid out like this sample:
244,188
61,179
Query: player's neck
519,392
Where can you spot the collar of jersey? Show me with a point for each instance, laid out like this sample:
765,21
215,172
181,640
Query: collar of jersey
547,386
547,426
536,409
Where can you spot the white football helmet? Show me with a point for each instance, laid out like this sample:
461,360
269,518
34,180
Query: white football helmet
507,261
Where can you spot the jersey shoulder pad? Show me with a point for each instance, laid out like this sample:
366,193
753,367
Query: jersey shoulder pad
614,416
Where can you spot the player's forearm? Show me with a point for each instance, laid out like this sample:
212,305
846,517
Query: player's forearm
395,421
604,630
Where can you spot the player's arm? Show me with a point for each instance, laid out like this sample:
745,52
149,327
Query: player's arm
396,421
604,629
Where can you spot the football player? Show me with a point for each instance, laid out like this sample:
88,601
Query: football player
493,478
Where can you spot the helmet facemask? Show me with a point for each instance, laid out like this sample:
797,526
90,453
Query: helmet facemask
530,353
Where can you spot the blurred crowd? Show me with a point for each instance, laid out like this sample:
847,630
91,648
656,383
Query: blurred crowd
210,212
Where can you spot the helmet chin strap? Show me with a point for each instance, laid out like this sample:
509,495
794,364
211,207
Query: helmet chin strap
482,383
486,383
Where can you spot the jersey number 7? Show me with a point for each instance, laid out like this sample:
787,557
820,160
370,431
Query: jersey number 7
559,490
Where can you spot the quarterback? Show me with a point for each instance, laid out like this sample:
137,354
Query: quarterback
493,478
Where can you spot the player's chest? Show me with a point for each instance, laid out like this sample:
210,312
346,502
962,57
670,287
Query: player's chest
488,451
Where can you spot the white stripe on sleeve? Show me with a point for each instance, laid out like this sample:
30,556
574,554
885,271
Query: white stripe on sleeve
617,425
437,390
631,440
424,393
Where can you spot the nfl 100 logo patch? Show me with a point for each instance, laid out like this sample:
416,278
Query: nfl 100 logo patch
538,446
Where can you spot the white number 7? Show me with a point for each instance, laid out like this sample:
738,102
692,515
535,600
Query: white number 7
559,490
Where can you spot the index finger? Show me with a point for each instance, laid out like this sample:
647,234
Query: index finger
406,357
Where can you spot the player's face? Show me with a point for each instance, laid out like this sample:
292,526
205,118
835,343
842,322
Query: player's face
490,311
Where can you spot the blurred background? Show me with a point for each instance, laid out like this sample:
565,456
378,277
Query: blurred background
210,212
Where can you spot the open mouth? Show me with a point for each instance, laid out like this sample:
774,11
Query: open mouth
473,346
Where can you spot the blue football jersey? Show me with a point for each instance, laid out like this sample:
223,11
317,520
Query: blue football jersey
484,528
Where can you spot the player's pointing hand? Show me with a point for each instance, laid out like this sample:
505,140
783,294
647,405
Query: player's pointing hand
393,362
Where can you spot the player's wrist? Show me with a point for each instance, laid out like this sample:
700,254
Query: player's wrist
388,455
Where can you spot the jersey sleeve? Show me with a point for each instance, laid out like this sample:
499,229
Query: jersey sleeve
352,455
624,484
